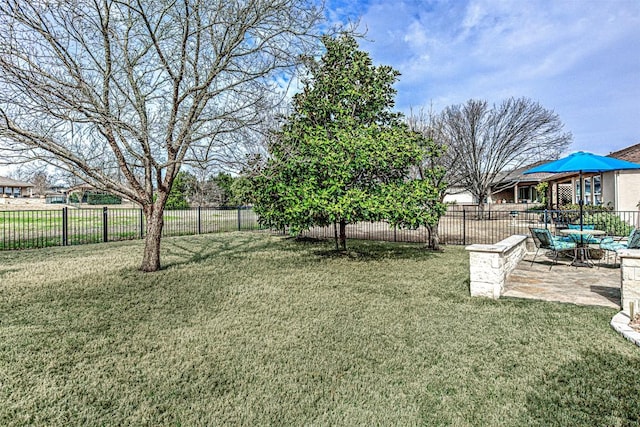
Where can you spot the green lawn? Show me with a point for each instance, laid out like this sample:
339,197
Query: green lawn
247,328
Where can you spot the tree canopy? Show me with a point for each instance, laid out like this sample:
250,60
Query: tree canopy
343,155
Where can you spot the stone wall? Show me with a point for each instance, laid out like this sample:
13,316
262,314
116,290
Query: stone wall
630,272
490,265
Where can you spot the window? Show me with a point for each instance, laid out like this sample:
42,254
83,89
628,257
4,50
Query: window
587,191
597,190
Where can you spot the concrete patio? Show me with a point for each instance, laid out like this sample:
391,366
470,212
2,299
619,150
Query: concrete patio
564,283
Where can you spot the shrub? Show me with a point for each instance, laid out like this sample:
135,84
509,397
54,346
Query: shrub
103,199
608,222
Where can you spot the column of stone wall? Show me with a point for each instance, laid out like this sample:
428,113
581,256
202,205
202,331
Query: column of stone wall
630,272
489,265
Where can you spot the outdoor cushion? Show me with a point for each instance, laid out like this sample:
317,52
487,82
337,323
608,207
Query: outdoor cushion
584,226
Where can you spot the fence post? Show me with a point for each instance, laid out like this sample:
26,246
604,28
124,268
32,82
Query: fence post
199,220
141,224
65,227
105,225
394,233
464,227
239,224
545,219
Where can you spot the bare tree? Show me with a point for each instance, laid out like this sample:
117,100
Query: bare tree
484,140
122,93
436,158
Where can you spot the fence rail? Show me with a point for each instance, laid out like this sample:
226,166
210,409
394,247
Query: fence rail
461,225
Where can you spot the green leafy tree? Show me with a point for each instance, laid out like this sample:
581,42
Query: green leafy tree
183,186
223,183
343,156
542,188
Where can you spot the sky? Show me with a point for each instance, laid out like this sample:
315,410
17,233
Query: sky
579,58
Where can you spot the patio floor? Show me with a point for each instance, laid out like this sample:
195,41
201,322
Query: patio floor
564,283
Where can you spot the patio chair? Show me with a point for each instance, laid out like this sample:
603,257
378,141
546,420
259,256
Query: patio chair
582,239
543,239
609,245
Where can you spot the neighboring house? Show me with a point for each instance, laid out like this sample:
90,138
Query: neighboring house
619,189
515,187
509,187
14,188
459,196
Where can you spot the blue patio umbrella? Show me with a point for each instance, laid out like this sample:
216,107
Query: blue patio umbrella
582,162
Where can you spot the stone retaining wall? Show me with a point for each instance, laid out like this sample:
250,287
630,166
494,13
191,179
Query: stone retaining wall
491,264
630,272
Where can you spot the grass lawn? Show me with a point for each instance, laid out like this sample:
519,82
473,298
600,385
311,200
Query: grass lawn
248,328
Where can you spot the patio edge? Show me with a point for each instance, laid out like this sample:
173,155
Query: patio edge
620,324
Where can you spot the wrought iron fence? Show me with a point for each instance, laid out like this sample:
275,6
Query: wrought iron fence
64,227
461,225
465,225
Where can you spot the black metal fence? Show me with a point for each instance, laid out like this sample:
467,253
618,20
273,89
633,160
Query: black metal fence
466,225
461,225
65,227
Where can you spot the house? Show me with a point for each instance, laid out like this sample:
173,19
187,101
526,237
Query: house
620,188
511,186
14,188
515,187
617,189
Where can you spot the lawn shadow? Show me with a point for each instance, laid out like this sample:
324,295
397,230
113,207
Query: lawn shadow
597,389
364,250
199,250
7,271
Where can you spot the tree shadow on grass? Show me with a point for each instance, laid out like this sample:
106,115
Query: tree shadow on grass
365,250
597,390
193,251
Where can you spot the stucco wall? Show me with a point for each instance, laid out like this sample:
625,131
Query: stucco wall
628,190
464,197
608,189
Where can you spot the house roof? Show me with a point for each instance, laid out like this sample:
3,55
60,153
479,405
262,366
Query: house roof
516,175
8,182
630,154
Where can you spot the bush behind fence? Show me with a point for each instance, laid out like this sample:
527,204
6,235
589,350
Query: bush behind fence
461,225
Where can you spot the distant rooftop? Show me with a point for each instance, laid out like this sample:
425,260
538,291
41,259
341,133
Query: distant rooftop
630,154
9,182
516,175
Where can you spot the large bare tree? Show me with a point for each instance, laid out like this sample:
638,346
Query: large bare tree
122,93
483,141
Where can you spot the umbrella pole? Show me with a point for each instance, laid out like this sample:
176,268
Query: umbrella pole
581,200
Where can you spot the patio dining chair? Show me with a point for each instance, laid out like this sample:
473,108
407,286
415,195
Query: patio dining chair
609,245
582,239
543,239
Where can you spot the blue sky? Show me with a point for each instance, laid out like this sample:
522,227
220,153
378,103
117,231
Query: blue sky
579,58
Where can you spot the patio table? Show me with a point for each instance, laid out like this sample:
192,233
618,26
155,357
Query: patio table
582,245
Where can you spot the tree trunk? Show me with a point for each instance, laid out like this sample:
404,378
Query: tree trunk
434,238
155,222
481,209
343,234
